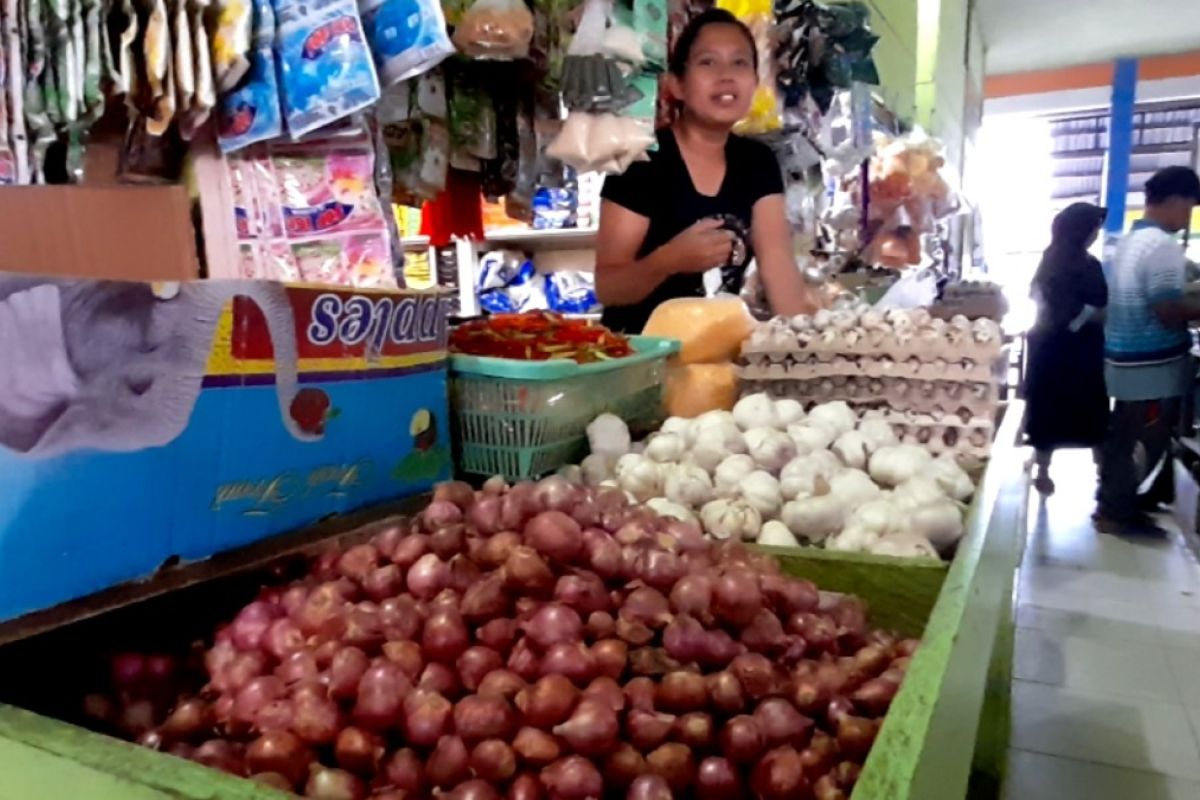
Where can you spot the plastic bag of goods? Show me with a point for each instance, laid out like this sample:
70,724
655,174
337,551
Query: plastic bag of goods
711,329
693,389
499,29
407,37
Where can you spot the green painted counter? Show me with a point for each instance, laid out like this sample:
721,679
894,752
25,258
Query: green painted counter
946,731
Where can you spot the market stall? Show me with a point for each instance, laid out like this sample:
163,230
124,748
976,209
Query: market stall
955,685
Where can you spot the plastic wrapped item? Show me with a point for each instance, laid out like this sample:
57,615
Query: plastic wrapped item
250,113
204,96
231,42
693,389
413,120
600,142
710,329
499,29
326,71
407,37
571,292
766,111
311,212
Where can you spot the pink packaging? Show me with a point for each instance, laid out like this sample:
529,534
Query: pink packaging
310,212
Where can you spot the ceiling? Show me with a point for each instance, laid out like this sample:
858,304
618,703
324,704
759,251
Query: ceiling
1025,35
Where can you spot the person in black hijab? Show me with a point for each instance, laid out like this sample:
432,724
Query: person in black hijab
1066,399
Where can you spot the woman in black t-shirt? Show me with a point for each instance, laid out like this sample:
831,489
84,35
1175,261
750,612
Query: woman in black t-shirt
705,199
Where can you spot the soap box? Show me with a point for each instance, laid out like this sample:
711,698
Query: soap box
144,422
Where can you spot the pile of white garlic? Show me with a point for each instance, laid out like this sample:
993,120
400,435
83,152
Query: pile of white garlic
768,472
935,378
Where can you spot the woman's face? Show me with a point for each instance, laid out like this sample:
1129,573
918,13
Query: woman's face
718,82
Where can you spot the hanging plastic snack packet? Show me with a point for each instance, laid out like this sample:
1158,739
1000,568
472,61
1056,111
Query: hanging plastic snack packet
29,101
231,42
181,35
204,95
160,105
325,69
766,111
407,37
250,113
499,29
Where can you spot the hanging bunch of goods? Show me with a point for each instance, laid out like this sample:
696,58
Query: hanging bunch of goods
609,85
535,641
908,196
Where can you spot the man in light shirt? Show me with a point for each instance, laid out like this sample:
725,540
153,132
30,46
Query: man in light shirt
1147,348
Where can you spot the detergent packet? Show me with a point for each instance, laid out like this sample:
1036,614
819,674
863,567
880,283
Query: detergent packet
325,67
407,37
250,113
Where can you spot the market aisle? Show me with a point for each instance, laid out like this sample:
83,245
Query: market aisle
1106,696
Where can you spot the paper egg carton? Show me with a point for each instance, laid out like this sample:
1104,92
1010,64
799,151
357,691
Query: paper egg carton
938,398
899,335
798,366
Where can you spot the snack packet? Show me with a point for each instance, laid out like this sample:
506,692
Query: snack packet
231,42
325,68
500,29
250,113
407,37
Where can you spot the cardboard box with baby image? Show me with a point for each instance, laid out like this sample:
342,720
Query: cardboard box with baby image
142,422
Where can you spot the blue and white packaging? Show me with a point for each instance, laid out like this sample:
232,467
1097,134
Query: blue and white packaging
325,67
250,112
407,37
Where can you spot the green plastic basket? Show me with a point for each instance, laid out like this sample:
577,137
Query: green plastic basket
523,419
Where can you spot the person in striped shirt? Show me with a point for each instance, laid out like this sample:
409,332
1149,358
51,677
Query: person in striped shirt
1147,352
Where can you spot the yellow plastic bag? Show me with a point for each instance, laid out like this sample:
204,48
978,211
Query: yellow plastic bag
692,389
766,113
711,329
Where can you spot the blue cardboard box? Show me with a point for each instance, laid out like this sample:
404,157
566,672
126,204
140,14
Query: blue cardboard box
141,422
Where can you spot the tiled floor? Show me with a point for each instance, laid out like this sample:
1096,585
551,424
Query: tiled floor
1106,697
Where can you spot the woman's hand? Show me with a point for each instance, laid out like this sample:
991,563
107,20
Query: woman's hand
701,246
787,291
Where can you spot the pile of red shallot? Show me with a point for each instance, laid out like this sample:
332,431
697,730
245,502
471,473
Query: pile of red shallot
535,641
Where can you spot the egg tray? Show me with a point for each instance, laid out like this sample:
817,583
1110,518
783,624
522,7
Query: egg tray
777,343
792,367
928,397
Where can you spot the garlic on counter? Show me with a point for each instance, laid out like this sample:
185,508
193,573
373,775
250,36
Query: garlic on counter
810,437
952,478
853,487
776,534
917,491
680,427
788,411
669,508
608,435
851,539
665,447
878,433
596,468
761,492
835,415
771,449
904,545
940,522
891,466
851,447
689,485
713,445
805,477
755,411
731,519
880,516
815,518
730,473
639,476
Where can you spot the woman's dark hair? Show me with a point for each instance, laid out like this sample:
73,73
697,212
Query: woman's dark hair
687,37
1075,224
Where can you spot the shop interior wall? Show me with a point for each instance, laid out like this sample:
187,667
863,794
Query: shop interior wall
895,21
